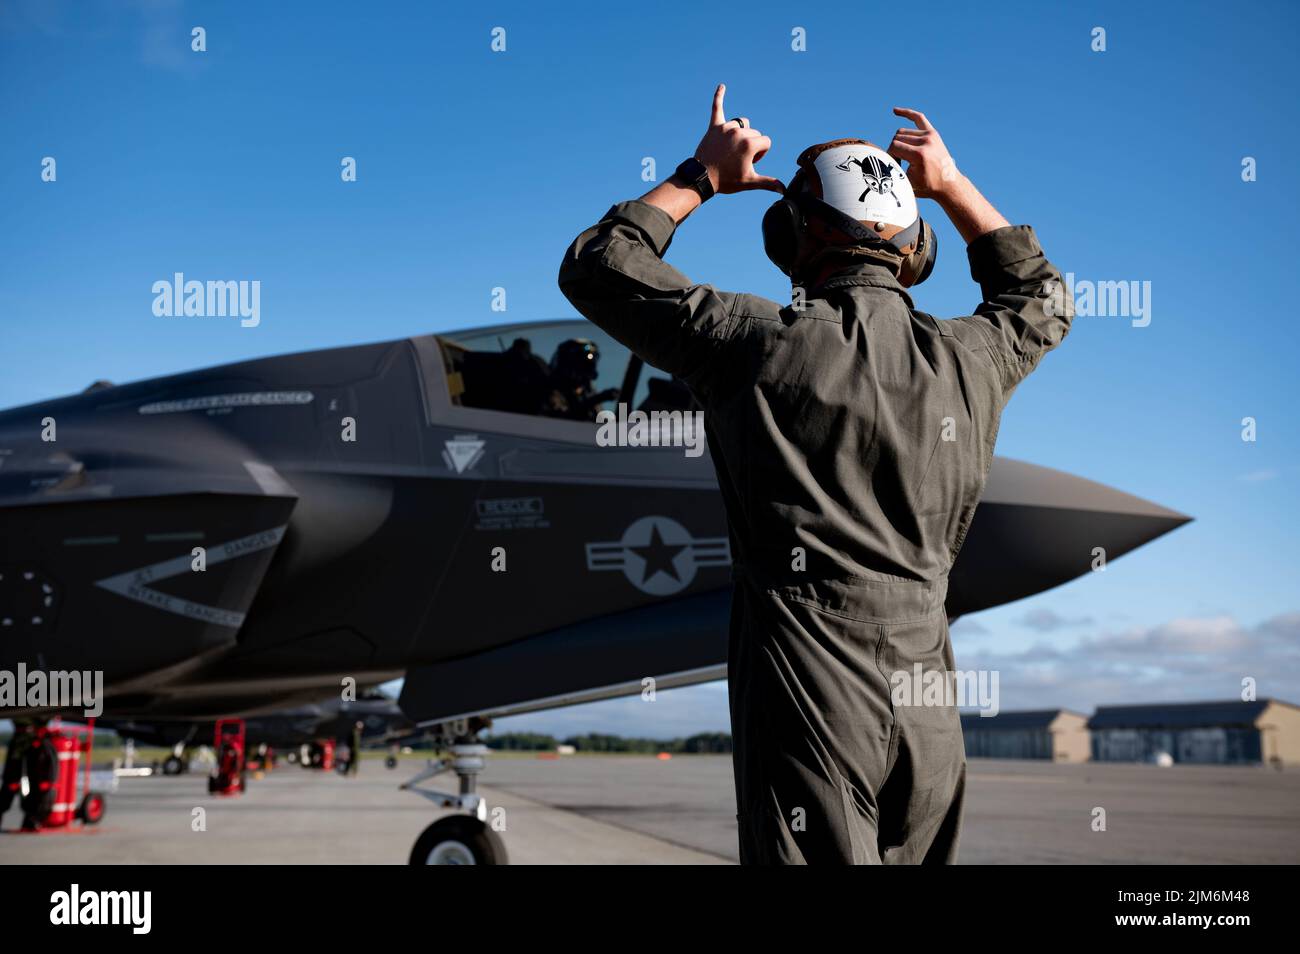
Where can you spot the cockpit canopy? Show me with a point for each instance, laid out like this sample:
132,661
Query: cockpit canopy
561,369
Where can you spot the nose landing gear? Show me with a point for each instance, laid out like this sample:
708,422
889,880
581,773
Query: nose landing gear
459,839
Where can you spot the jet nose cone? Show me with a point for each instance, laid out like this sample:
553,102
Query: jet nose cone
1029,485
1037,528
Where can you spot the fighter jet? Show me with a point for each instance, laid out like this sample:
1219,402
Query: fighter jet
438,507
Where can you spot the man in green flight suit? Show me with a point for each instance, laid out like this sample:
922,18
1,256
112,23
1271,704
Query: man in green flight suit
852,436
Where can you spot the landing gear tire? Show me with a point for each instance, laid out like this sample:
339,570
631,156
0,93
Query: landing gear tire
173,765
91,810
390,762
458,840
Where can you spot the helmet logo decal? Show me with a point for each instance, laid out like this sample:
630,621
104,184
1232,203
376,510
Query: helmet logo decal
876,173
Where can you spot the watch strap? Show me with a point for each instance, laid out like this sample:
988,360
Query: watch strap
694,173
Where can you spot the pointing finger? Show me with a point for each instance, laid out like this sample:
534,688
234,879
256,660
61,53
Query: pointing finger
719,116
915,116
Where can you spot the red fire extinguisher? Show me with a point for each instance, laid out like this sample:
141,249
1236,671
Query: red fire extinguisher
43,771
68,751
229,741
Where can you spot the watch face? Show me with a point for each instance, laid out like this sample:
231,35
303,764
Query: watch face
692,170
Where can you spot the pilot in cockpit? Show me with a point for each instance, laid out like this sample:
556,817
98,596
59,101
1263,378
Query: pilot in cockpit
573,375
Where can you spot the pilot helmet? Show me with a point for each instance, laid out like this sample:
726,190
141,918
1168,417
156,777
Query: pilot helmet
849,194
575,361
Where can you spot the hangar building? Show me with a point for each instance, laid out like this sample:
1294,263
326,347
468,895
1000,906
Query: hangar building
1265,730
1056,734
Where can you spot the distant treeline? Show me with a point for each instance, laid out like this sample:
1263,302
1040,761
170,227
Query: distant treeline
102,737
719,742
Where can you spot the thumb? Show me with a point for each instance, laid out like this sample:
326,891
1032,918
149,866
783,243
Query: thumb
765,182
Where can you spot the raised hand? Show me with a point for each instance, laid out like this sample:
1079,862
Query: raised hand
930,168
729,150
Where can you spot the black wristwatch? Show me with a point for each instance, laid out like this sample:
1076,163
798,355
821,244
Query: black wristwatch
693,173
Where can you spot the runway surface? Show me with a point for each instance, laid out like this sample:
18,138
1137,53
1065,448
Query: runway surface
638,810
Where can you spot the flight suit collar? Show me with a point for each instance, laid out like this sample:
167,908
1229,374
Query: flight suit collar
864,273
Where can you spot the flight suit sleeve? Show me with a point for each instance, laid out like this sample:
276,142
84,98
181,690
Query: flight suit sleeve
615,275
1026,310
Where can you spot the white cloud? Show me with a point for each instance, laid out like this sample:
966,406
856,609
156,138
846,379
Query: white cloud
1184,659
1046,620
1256,476
966,626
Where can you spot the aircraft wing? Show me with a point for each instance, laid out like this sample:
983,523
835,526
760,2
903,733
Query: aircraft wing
121,524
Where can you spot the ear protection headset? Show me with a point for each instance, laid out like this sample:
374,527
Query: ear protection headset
800,224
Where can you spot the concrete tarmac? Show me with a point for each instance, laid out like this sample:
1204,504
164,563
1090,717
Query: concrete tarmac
638,810
1017,812
293,816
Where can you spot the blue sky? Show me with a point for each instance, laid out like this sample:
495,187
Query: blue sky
475,170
